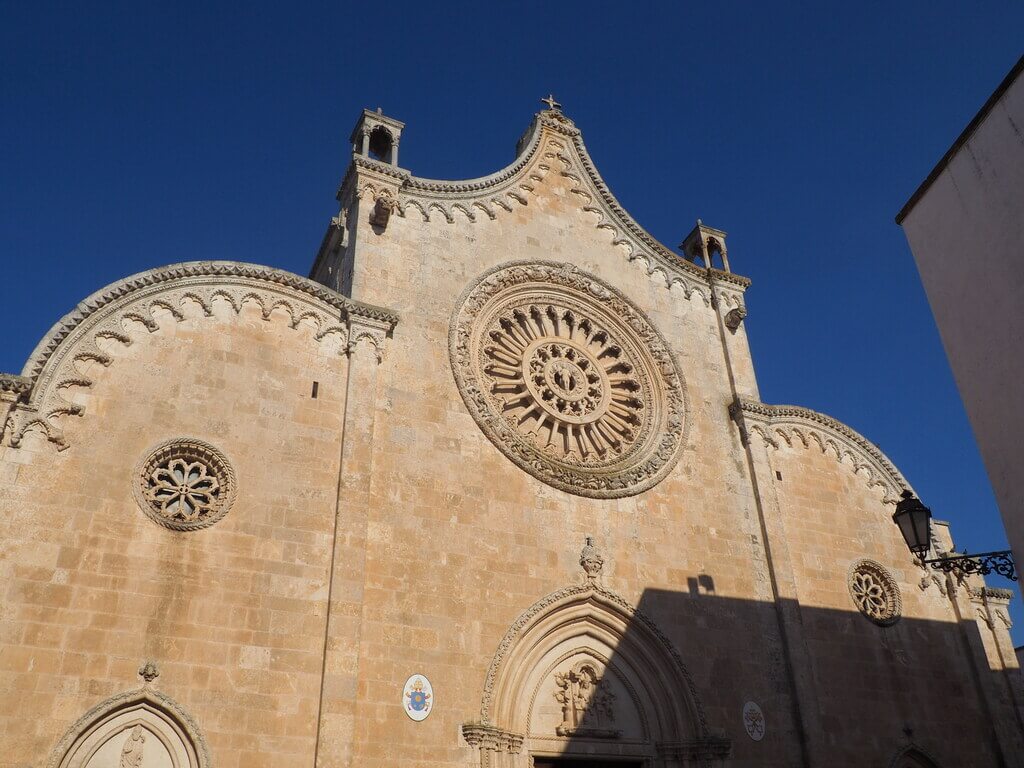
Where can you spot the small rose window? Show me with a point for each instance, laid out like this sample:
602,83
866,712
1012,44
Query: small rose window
875,592
185,484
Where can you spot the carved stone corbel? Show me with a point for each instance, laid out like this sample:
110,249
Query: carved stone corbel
383,205
734,317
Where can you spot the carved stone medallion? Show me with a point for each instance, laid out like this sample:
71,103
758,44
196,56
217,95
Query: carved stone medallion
875,592
185,484
568,379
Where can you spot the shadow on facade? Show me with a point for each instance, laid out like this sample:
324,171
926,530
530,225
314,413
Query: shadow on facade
692,678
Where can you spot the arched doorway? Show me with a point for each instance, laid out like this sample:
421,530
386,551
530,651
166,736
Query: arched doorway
138,729
582,675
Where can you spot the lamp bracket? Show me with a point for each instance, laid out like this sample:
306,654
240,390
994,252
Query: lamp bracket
982,564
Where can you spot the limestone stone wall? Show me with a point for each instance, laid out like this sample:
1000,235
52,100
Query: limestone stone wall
378,531
461,540
872,682
233,615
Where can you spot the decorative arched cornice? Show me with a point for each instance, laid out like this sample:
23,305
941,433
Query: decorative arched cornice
145,696
600,603
53,366
788,422
552,138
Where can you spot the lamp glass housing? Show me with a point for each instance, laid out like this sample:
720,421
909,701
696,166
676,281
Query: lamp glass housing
914,520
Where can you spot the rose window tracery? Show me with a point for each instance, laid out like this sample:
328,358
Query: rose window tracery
185,484
875,592
568,379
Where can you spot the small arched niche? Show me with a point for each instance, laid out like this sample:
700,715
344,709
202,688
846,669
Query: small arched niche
141,729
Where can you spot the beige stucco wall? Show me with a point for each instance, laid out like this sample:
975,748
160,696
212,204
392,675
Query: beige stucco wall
967,235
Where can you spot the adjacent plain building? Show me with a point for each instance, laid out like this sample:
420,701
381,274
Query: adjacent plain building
965,225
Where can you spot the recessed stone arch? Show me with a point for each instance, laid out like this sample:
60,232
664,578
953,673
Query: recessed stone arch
913,756
584,672
141,729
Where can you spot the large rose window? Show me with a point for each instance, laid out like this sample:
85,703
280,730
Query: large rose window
568,379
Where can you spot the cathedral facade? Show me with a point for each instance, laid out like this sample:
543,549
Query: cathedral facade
493,487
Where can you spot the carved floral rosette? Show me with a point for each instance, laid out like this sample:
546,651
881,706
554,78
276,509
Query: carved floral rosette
568,379
875,592
184,484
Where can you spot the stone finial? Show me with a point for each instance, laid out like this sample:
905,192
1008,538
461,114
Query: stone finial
552,104
591,559
149,672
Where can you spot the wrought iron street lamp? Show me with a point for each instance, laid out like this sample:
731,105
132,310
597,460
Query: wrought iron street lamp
914,520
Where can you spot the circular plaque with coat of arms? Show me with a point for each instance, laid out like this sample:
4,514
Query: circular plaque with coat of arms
568,379
417,697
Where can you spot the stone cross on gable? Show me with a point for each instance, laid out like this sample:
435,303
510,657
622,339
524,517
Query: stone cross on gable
550,101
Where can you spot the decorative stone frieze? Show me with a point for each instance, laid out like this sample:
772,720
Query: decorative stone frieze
488,737
185,484
792,425
875,592
80,337
568,379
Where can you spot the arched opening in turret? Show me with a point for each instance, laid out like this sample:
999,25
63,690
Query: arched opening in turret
381,144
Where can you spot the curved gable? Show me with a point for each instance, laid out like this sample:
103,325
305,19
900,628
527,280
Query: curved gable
788,422
58,361
553,144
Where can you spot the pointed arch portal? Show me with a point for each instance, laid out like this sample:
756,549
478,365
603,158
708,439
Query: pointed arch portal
582,672
141,729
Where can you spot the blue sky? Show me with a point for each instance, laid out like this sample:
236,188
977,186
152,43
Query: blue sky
139,134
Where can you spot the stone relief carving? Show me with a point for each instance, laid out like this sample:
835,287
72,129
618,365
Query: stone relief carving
60,361
591,560
588,705
790,424
131,752
928,579
875,592
149,672
568,379
184,485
